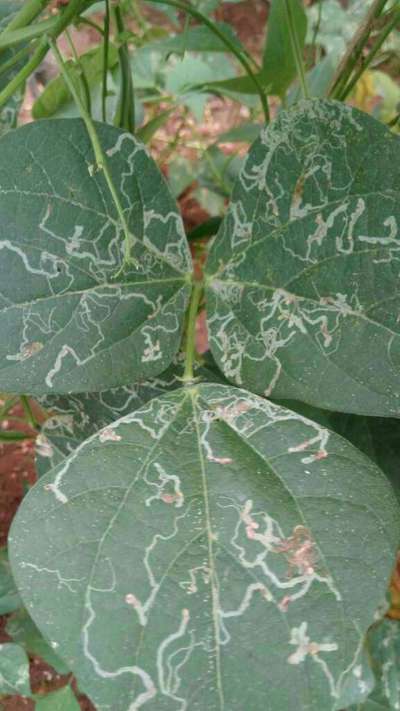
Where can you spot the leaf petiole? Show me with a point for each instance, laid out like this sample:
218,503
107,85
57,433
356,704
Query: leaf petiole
190,344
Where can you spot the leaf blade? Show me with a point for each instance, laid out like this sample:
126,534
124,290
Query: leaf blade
67,320
306,315
218,491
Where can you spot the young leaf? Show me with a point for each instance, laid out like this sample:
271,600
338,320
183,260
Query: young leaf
209,534
279,65
303,276
25,633
77,417
62,700
70,319
14,671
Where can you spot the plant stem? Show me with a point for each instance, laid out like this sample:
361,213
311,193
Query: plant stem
106,46
126,106
28,412
81,72
394,19
26,14
296,49
63,20
227,42
317,28
15,59
101,160
355,50
85,21
190,345
394,120
25,34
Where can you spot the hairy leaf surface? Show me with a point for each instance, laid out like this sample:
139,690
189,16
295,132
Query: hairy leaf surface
208,533
303,277
70,319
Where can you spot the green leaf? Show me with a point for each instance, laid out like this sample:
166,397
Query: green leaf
56,93
70,319
198,38
146,132
303,276
186,76
9,596
62,700
359,683
25,633
279,65
74,418
9,7
246,132
384,649
218,171
377,437
181,174
14,671
208,535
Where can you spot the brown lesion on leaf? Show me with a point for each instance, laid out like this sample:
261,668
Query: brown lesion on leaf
298,191
300,552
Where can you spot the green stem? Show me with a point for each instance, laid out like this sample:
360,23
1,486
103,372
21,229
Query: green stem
28,412
126,106
227,42
101,160
296,49
137,15
24,34
106,46
14,436
385,32
89,23
80,72
190,346
63,20
26,14
355,50
317,28
15,59
394,120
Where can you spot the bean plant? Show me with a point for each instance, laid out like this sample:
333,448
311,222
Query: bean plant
211,531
